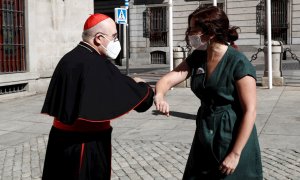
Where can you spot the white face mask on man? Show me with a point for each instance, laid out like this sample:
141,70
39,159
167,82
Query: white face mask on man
113,48
195,42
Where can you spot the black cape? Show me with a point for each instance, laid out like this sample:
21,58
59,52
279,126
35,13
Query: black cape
86,85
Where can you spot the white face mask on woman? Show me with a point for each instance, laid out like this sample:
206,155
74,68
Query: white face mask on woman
195,42
113,48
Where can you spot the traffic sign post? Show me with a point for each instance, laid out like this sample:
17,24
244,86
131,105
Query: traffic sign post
121,15
127,42
126,3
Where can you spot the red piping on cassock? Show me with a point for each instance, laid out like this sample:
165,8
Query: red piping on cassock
81,156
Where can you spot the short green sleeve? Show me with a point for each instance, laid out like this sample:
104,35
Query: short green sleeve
244,68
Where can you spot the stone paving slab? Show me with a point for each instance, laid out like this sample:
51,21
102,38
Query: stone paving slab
138,159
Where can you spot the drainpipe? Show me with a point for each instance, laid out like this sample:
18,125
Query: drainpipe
215,2
171,34
270,75
126,34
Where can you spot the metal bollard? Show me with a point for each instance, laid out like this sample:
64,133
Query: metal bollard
179,54
277,54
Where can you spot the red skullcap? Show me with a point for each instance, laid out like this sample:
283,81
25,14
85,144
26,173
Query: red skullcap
93,20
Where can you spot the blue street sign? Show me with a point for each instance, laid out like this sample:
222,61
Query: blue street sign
121,15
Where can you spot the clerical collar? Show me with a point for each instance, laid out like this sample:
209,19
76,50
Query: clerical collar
88,47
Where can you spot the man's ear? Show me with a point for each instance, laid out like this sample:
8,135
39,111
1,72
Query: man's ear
97,40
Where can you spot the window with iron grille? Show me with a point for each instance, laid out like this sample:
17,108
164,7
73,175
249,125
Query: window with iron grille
146,23
207,4
158,27
279,19
12,36
260,17
158,57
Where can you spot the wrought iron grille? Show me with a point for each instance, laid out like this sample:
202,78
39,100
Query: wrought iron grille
158,57
146,24
205,4
13,88
12,36
260,18
158,27
143,2
278,20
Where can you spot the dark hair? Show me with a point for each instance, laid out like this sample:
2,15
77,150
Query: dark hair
213,21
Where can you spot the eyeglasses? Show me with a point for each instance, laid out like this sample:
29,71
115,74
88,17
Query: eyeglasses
114,36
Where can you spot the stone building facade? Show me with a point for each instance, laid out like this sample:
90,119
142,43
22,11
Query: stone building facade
35,34
249,15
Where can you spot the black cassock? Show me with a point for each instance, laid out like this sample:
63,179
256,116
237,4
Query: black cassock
86,92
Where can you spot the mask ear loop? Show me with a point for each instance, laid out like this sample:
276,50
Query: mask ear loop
102,45
97,43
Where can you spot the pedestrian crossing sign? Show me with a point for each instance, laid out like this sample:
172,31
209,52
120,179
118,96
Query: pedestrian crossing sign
121,15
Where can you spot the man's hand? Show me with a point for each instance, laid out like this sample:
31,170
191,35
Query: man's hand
161,105
230,163
137,79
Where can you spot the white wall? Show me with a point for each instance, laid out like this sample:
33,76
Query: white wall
181,11
53,28
138,44
295,22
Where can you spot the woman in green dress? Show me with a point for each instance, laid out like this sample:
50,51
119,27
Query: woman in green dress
225,144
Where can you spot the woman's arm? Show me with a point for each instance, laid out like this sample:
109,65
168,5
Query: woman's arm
179,74
246,87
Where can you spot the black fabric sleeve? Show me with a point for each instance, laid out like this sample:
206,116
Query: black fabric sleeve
189,60
196,58
148,101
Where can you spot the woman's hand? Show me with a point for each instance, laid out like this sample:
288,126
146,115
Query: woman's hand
161,104
230,163
246,88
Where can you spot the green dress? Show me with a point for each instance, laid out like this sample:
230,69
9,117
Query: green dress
219,118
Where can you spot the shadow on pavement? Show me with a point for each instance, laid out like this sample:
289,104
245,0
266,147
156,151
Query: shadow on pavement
177,114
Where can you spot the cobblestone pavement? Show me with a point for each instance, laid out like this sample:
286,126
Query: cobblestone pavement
148,145
138,160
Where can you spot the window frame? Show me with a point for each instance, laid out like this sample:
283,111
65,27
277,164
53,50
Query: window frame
12,37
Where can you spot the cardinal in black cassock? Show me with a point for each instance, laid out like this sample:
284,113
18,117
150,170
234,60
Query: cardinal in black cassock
86,92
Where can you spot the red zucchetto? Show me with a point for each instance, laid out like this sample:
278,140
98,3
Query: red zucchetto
93,20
